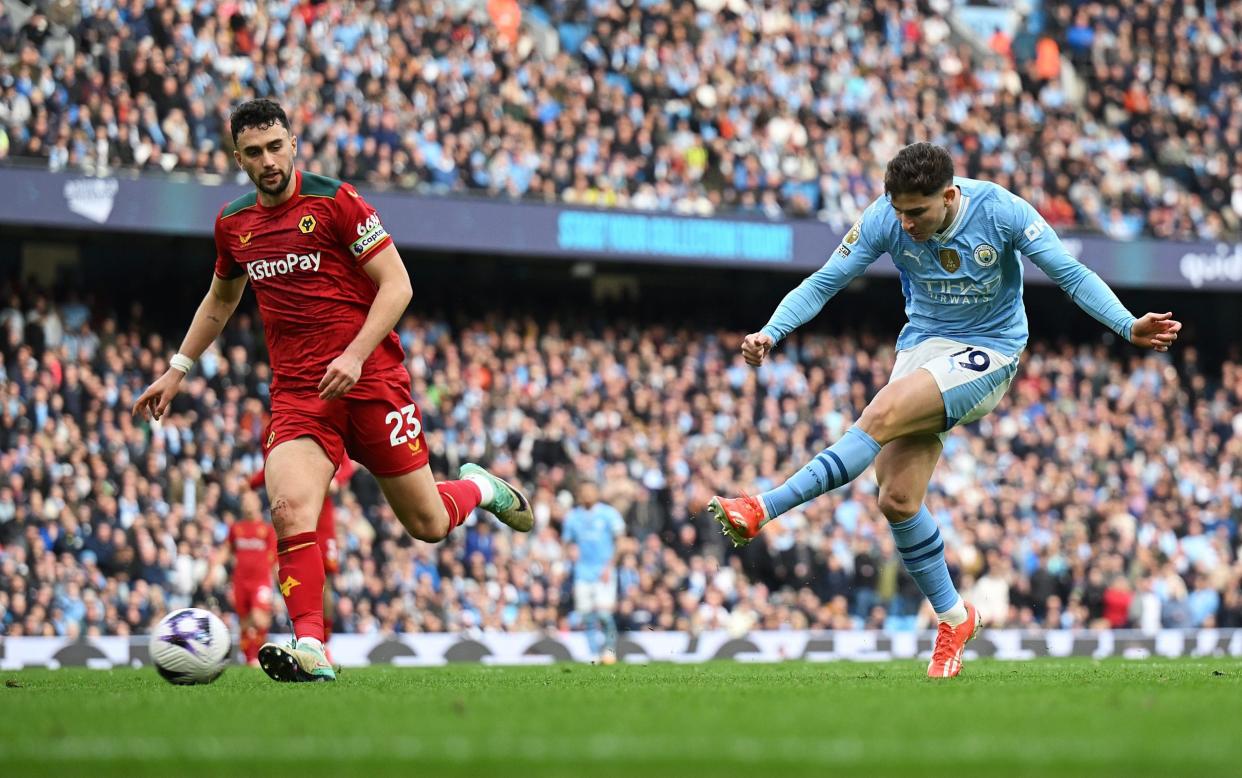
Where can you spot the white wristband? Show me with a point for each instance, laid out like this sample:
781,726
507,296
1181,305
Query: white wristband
181,362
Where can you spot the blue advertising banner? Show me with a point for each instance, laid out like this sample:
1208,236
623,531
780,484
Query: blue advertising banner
168,206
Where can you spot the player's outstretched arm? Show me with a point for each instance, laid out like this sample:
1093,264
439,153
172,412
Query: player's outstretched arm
391,298
1156,331
209,320
857,250
1034,238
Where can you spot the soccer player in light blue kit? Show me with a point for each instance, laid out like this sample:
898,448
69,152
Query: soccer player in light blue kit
957,244
594,527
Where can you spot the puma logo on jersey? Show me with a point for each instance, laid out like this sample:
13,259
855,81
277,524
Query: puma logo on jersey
245,239
269,268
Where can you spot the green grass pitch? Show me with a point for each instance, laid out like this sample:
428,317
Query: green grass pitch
1041,718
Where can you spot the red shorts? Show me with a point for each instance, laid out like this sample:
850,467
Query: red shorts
252,595
377,423
326,536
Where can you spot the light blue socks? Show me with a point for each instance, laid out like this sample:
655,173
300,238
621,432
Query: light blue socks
918,541
831,468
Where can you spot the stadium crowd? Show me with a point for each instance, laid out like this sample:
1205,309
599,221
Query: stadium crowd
1104,492
777,107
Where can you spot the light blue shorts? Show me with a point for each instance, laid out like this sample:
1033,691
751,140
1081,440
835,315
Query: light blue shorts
972,379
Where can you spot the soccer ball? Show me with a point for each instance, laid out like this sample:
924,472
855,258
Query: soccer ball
190,646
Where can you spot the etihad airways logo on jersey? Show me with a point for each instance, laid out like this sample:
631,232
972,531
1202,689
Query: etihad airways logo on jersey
963,292
269,268
370,232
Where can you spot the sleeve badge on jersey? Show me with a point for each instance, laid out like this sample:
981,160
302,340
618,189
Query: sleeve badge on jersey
307,224
985,255
855,232
370,233
950,260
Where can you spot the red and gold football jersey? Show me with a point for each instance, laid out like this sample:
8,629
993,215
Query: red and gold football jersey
305,260
253,543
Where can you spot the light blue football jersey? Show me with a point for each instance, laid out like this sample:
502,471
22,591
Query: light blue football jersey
964,283
595,531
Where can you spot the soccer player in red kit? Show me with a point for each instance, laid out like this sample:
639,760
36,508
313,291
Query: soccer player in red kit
330,287
252,543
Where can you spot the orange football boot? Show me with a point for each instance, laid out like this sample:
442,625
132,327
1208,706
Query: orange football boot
946,660
741,517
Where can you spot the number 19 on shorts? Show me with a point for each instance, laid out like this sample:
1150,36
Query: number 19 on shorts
405,425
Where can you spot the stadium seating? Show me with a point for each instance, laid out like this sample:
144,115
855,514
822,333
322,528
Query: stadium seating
1101,493
784,108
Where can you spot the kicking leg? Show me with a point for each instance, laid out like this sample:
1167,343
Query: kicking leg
911,405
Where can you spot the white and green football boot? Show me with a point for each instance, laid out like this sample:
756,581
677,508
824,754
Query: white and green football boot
507,503
296,661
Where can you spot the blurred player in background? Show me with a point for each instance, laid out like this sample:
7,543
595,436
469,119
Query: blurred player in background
252,545
957,244
325,536
592,528
330,287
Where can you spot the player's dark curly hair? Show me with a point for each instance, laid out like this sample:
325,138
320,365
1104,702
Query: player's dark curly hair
259,114
920,168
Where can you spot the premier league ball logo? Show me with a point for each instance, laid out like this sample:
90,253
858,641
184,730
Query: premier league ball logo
189,631
190,646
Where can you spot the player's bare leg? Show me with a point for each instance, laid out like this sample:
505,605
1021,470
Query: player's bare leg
911,405
903,469
415,499
297,476
430,510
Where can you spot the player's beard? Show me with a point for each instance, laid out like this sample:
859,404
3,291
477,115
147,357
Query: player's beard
280,185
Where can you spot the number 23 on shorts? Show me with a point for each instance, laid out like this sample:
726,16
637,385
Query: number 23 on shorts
405,425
